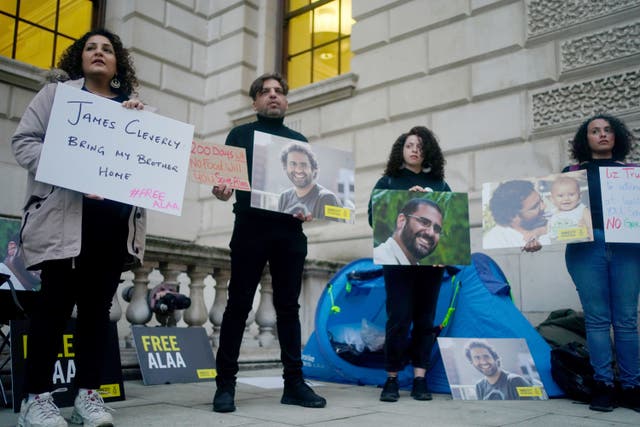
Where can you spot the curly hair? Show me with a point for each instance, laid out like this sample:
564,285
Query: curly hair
579,146
506,200
300,148
479,344
433,159
71,61
257,84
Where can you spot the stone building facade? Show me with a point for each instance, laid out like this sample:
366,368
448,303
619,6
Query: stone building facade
503,83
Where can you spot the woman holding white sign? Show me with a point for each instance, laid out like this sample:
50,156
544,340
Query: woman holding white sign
606,275
81,242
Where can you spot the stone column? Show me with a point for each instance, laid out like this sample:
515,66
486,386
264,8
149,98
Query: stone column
196,314
221,276
266,313
170,272
138,311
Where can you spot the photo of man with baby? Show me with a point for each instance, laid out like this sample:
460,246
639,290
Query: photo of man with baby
553,209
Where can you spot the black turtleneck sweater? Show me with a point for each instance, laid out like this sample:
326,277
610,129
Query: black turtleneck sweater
242,136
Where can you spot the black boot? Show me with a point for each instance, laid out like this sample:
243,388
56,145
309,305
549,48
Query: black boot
420,390
630,398
297,392
223,400
390,390
602,397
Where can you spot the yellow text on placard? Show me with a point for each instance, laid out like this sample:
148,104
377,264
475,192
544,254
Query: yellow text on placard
337,212
534,391
206,373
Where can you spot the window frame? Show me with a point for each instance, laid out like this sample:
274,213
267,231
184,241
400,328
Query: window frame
97,21
286,56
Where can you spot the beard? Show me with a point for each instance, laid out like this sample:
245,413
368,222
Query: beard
410,241
490,371
300,182
533,223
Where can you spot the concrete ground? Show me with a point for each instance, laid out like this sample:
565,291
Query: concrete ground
258,404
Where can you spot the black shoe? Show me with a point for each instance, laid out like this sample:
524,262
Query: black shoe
390,390
630,398
419,390
602,397
297,392
223,399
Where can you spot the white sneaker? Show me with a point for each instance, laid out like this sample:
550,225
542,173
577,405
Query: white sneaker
41,412
89,409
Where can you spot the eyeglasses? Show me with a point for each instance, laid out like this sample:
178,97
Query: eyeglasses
427,223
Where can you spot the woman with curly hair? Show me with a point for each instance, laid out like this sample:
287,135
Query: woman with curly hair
80,242
606,275
415,163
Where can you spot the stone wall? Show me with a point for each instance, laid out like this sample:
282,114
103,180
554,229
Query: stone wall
503,83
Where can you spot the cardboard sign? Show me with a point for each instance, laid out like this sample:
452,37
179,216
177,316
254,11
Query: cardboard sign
214,164
64,369
554,209
95,146
422,236
491,369
621,204
174,355
291,176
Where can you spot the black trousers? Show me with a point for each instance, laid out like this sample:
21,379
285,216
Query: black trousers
412,296
253,243
88,281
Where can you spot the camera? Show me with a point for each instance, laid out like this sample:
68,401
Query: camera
170,302
163,299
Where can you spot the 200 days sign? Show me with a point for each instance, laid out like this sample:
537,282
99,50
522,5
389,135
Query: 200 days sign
95,146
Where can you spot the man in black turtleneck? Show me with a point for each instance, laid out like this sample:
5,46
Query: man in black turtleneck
260,236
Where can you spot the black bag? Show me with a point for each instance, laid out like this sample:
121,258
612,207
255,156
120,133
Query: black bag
571,370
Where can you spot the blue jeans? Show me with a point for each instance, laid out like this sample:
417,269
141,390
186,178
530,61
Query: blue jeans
607,277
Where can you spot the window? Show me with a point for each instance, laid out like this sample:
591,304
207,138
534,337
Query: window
317,40
38,31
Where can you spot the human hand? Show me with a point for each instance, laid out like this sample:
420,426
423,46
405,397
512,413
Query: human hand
532,245
133,104
302,217
93,196
421,189
222,192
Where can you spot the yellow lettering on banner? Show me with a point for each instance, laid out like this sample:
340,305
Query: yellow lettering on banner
337,212
206,373
67,346
174,343
534,391
24,346
110,390
159,343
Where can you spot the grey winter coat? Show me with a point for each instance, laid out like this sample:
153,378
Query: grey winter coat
52,216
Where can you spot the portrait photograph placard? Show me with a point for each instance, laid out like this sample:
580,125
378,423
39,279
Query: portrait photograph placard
554,209
490,369
291,177
96,146
415,228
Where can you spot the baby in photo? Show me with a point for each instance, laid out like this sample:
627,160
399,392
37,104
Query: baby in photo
570,219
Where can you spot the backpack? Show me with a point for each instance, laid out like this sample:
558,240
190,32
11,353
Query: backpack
571,370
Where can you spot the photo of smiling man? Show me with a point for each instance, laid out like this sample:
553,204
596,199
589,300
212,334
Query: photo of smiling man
420,229
306,196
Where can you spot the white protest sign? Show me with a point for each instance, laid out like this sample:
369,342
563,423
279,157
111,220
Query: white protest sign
95,146
621,203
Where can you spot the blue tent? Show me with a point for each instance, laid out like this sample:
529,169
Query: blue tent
350,320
